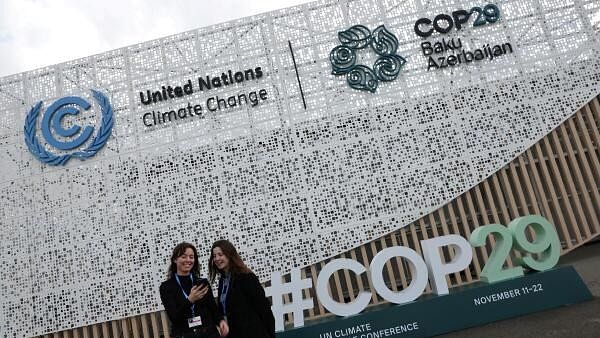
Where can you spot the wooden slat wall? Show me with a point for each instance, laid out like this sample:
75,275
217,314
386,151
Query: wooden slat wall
558,178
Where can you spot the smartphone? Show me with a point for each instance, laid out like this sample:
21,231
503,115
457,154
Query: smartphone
201,281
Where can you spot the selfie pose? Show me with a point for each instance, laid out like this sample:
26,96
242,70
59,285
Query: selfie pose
188,299
241,298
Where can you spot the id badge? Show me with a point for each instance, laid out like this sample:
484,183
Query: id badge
194,321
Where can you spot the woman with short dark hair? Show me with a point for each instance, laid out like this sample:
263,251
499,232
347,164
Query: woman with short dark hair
241,298
188,298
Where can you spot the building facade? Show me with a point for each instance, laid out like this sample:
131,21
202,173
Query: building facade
331,129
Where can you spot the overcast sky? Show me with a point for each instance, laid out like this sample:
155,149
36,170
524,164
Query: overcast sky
39,33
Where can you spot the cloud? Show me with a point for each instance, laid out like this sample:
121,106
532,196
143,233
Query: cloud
39,33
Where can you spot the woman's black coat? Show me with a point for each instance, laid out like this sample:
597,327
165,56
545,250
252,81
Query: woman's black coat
248,312
178,307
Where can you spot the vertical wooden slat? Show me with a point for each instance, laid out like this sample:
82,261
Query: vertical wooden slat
561,188
518,189
579,182
154,324
511,209
373,248
96,331
416,245
423,228
446,231
338,286
539,189
474,221
415,238
165,324
398,261
504,214
105,332
145,325
595,109
528,187
349,287
593,163
522,201
388,265
366,261
511,206
592,140
115,328
135,329
475,262
448,212
554,198
408,268
442,219
433,225
493,206
124,328
479,204
483,210
594,132
467,230
313,274
570,186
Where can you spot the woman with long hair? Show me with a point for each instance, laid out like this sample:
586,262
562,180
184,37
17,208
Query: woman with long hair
241,298
188,298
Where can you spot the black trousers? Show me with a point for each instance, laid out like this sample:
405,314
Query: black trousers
201,332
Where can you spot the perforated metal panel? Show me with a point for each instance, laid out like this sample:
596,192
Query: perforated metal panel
89,242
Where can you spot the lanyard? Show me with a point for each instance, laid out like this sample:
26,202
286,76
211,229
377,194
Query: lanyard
183,291
224,292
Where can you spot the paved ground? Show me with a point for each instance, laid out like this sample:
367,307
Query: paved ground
575,321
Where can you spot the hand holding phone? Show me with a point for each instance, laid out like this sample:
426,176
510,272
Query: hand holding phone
201,282
199,290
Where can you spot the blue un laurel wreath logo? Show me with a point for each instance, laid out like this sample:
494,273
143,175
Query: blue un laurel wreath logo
386,67
52,119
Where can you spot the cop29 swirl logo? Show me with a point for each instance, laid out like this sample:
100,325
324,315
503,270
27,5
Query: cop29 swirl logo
387,67
52,120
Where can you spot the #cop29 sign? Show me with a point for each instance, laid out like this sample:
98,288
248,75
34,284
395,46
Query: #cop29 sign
68,141
538,254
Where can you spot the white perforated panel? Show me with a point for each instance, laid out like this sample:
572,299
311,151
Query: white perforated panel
90,241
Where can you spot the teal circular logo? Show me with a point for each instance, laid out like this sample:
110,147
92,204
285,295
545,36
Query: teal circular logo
387,66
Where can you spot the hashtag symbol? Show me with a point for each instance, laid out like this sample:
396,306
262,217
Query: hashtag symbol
297,305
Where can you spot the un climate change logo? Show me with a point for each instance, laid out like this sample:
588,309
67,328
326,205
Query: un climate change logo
52,119
386,67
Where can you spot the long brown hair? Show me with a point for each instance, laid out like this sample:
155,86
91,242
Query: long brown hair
178,251
236,265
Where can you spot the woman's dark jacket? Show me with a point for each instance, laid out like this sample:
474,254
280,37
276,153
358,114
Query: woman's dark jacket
179,308
248,312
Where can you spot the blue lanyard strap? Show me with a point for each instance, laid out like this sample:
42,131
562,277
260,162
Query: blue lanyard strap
183,291
224,292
